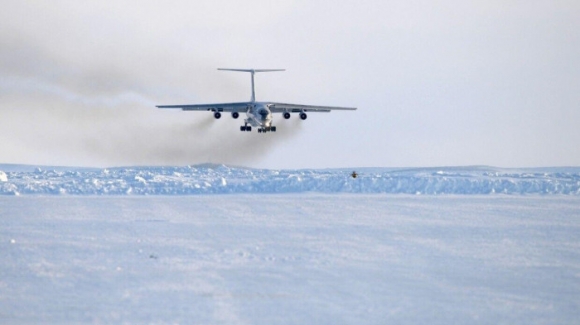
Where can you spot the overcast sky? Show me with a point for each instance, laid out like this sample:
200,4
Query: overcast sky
435,82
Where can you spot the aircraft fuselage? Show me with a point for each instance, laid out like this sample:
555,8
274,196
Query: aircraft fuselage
259,115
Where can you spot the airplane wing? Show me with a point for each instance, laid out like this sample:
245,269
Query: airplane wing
224,107
295,108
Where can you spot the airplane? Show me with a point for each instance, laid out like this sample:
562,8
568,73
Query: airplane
259,114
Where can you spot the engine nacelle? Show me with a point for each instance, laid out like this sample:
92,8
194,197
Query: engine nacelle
235,115
217,115
303,116
286,115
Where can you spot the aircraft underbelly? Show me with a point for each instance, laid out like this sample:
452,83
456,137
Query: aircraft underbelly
257,120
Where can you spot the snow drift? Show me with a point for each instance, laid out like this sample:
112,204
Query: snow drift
221,179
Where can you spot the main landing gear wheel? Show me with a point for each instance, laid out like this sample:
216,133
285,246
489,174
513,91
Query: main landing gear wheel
267,129
245,128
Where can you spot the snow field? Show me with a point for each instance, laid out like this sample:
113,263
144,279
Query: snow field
220,179
288,259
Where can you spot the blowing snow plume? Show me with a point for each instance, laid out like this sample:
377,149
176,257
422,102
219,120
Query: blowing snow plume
186,138
59,129
106,115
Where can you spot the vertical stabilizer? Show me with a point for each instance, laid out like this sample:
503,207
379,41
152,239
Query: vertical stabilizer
252,71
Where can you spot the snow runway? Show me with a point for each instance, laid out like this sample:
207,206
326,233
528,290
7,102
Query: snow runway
288,259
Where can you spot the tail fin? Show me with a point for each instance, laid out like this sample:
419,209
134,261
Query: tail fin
252,71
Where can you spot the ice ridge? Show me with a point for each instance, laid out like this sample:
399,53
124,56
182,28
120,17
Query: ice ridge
220,179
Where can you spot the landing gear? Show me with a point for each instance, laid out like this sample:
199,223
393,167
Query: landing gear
262,129
267,129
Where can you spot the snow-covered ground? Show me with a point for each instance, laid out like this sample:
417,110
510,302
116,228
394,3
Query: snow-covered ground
132,245
219,179
290,259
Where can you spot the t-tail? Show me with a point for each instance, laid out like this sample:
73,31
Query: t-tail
253,71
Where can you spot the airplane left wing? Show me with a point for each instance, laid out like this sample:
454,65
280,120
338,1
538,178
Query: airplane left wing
224,107
295,108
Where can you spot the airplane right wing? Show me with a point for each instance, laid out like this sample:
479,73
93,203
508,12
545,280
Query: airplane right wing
224,107
282,107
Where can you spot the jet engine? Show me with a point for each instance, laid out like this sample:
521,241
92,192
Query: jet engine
303,116
235,115
217,115
286,115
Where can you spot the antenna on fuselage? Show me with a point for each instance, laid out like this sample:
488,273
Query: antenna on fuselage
253,71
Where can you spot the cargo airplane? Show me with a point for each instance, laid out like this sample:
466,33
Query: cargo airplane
258,114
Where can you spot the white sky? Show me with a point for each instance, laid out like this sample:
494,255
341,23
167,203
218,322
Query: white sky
436,83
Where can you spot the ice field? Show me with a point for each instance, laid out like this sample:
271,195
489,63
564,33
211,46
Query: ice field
220,179
309,257
287,259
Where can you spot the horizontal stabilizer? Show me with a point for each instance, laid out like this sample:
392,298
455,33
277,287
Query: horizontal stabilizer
252,70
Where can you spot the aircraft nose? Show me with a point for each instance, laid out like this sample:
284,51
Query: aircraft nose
263,112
